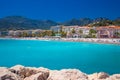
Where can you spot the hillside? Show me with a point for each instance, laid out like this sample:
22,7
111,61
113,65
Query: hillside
19,22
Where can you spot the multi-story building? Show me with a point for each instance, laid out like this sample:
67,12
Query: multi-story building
84,31
56,28
18,33
4,33
108,31
70,31
76,31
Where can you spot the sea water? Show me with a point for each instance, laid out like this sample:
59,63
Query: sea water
87,57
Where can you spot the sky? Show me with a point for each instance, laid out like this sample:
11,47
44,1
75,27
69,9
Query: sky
60,10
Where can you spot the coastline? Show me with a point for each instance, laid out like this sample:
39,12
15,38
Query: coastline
19,72
92,40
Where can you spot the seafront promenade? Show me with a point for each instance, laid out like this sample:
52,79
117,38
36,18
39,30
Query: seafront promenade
94,40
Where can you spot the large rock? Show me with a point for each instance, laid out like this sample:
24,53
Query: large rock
38,76
5,74
16,69
102,75
67,74
98,76
20,72
24,72
114,77
93,76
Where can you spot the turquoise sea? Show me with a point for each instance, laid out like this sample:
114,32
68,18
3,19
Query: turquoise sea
87,57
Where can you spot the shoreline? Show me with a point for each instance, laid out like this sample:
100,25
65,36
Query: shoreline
92,40
19,72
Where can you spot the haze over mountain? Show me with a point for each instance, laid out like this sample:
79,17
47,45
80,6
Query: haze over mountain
20,23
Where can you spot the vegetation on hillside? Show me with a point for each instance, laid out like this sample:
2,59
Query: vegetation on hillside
22,23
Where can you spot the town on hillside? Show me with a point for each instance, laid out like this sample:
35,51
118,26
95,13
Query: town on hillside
67,32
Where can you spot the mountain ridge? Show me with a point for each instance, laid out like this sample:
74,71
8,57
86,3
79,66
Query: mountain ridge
21,23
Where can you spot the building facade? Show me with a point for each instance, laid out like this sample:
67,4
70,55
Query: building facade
85,31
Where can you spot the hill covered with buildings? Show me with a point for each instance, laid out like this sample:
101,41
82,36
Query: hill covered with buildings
18,26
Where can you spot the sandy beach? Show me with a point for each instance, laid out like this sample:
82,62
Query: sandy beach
94,40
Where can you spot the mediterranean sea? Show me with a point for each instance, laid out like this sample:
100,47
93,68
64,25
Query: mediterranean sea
85,56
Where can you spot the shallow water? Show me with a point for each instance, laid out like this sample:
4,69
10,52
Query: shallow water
88,57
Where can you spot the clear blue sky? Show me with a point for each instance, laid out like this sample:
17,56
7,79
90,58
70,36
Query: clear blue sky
60,10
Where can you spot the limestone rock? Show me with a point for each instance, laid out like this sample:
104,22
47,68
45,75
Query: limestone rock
93,76
24,72
17,67
102,75
5,74
67,74
98,76
20,72
38,76
114,77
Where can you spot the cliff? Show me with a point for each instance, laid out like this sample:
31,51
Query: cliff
20,72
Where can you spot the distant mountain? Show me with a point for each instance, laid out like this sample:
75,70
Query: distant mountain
19,22
101,21
80,22
117,21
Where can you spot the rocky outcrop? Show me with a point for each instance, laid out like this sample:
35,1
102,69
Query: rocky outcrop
38,76
24,72
5,74
114,77
20,72
67,74
98,76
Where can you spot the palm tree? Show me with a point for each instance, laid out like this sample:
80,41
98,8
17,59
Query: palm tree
80,33
92,33
117,34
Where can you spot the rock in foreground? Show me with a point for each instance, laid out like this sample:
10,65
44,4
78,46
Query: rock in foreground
20,72
67,74
5,74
